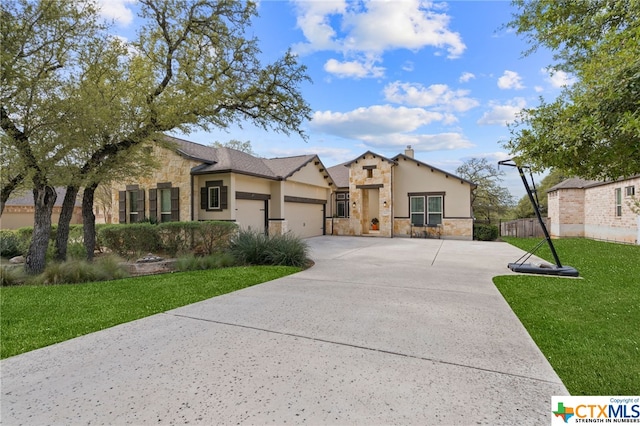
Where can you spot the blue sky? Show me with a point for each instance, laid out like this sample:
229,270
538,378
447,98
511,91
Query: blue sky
443,77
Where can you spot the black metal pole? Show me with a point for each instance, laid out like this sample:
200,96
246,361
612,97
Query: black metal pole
539,216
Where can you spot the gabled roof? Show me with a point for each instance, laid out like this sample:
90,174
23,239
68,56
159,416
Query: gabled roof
572,183
406,157
221,160
347,164
340,175
25,198
579,183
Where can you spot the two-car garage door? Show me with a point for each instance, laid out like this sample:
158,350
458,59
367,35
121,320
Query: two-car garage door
303,219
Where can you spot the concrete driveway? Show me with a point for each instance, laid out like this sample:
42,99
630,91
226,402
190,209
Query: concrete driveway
379,331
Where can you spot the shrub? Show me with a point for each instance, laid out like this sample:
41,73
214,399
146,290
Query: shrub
12,275
81,271
256,248
177,237
214,236
483,232
195,263
132,239
9,244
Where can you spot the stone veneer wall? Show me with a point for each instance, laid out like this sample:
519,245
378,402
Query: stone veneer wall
339,226
600,220
566,213
361,214
457,229
172,168
277,227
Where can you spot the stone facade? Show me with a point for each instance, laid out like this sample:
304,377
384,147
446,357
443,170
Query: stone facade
370,194
175,169
591,211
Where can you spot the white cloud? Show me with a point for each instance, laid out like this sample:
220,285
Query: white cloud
538,89
439,96
510,80
557,78
375,27
419,142
376,119
408,66
353,69
502,114
116,10
466,76
389,127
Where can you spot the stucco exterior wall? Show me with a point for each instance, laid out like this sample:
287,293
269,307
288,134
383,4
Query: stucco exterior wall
14,217
410,176
199,181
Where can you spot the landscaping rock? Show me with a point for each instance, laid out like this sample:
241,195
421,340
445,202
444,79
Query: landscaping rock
17,260
150,258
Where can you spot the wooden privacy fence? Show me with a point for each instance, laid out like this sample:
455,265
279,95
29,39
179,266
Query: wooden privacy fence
522,228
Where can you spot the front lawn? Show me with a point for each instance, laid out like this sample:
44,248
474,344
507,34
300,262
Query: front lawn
32,317
589,329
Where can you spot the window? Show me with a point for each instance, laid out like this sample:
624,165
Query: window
165,205
429,213
618,202
417,211
214,198
369,173
629,191
131,205
342,204
434,205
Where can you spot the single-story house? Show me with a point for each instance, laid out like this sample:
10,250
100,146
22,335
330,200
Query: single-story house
19,210
399,196
299,194
197,182
593,209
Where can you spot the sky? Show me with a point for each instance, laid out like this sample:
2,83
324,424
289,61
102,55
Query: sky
443,77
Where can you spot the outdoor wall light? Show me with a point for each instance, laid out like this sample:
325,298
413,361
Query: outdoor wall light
384,204
353,205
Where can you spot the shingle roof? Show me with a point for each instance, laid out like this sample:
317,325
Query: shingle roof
572,183
26,198
340,175
286,166
228,159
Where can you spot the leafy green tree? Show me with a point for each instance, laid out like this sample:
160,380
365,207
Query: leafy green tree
489,200
191,67
39,45
237,145
592,129
524,209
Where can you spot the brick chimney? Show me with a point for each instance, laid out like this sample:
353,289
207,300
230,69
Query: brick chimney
409,151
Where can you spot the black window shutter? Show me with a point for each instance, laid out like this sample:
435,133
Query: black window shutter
175,204
140,205
223,197
122,206
204,198
153,204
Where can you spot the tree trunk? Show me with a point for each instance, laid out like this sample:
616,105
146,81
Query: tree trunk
62,235
44,198
89,220
7,188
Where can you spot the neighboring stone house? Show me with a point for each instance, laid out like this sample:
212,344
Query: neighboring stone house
592,209
197,182
399,196
19,210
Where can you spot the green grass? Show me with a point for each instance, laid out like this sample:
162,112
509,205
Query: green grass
589,329
32,317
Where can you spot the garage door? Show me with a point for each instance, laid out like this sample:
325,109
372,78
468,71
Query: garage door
250,214
305,220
